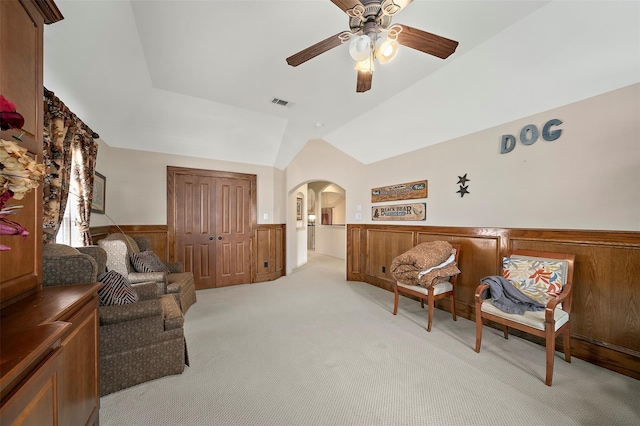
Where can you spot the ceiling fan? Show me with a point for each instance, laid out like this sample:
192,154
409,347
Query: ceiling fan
373,37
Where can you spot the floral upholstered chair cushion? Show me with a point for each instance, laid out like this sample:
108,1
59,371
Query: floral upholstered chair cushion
540,279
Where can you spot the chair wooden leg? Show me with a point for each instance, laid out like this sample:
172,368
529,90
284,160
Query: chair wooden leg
432,306
551,348
395,302
453,306
478,327
505,331
566,343
422,303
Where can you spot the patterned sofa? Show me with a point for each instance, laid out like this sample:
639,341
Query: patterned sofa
139,341
120,247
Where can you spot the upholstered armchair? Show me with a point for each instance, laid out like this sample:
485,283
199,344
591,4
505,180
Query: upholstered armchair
62,264
120,247
139,341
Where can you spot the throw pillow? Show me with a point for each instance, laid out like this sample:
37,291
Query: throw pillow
148,261
117,290
538,279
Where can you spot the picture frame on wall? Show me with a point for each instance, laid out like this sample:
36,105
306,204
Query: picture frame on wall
99,193
298,208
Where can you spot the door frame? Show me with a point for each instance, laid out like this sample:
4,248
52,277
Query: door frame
173,171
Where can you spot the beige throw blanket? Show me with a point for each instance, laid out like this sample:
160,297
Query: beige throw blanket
408,266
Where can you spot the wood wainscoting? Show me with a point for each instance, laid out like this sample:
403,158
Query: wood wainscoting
156,233
269,252
269,245
605,317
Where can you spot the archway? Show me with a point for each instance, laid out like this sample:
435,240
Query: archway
321,229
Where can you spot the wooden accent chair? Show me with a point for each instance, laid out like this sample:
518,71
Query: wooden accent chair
548,324
431,294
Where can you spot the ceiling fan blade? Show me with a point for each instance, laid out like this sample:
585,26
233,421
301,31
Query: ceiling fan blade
402,3
364,81
346,4
426,42
315,50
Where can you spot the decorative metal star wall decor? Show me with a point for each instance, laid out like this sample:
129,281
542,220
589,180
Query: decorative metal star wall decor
462,181
463,190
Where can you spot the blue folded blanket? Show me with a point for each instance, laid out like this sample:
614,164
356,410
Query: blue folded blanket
506,297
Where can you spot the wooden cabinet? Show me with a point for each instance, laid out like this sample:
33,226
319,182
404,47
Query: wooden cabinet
269,252
49,339
35,403
21,57
49,370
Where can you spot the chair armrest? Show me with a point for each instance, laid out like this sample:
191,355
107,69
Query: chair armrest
146,291
141,277
160,278
480,291
132,311
553,303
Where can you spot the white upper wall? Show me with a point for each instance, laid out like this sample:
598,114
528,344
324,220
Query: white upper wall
589,178
564,52
136,189
163,76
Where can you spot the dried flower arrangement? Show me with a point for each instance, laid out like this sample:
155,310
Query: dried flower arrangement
19,173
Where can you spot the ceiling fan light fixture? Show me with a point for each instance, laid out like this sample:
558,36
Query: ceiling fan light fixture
365,65
360,48
387,51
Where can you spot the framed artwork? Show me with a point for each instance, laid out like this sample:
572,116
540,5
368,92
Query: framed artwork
99,192
298,208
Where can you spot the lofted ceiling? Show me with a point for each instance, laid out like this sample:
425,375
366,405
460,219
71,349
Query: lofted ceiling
198,78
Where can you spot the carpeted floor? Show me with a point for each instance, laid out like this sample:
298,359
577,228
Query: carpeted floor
314,349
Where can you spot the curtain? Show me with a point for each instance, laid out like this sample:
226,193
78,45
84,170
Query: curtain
69,152
85,152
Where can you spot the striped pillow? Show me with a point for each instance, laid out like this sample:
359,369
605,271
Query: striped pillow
147,261
117,290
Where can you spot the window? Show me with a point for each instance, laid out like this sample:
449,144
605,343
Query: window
69,231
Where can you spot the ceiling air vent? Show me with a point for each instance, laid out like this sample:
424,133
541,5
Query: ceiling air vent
279,102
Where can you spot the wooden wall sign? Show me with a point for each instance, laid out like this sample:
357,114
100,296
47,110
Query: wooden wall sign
414,211
403,191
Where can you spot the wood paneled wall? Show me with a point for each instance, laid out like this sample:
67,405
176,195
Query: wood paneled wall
269,242
605,318
269,245
156,233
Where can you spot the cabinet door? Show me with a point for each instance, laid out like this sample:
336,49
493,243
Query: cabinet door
21,35
35,402
79,383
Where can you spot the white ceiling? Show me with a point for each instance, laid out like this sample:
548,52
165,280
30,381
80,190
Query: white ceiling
197,77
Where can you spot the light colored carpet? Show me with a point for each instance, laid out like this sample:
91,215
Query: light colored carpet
314,349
